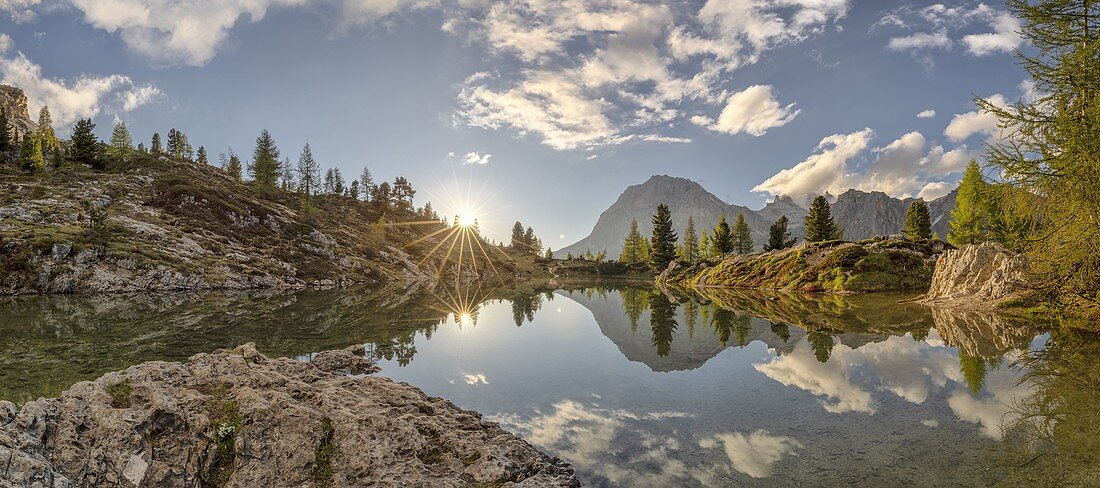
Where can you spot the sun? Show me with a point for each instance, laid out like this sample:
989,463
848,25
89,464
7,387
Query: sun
466,219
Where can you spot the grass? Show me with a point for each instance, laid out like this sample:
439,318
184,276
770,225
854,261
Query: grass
120,394
225,414
323,456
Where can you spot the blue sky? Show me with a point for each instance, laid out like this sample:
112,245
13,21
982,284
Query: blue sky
542,110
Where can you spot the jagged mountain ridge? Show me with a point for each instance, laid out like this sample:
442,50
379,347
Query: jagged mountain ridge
861,214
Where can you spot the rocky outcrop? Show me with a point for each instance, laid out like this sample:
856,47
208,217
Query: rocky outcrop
237,418
980,275
14,103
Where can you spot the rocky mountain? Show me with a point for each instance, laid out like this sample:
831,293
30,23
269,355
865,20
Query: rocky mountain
861,214
14,103
684,197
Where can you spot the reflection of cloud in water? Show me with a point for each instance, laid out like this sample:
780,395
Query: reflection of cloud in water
993,410
904,367
610,442
473,379
754,454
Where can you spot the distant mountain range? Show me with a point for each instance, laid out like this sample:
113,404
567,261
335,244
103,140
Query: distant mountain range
861,214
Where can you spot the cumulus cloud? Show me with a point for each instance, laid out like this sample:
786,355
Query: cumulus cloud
473,379
926,114
5,43
934,190
822,171
920,41
70,100
1005,37
753,111
943,22
754,454
476,158
20,11
964,125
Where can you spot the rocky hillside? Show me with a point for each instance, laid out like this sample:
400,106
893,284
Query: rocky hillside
160,224
238,418
861,214
14,103
873,265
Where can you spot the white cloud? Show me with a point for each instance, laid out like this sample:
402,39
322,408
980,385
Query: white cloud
5,43
753,111
473,379
1005,37
894,169
920,41
20,11
754,454
964,125
941,162
926,114
476,158
70,100
822,171
934,190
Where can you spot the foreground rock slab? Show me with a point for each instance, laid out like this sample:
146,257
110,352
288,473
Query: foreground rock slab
977,276
239,418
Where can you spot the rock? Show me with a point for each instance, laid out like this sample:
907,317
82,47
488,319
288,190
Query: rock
350,361
238,418
980,275
61,250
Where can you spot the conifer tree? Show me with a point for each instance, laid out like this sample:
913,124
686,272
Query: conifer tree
918,222
330,182
532,243
57,158
233,167
366,180
175,146
633,245
968,218
742,237
706,249
121,142
820,225
203,161
46,135
381,198
265,162
338,186
141,148
30,154
287,180
722,240
353,190
517,241
549,254
689,251
154,147
309,173
778,235
84,148
663,240
6,141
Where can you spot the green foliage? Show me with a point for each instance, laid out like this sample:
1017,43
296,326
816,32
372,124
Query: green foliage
155,148
822,344
970,215
722,241
634,246
265,162
918,222
121,144
6,139
323,456
663,239
742,238
309,173
778,235
85,148
233,167
120,393
46,134
662,323
202,158
30,154
522,240
820,225
973,370
689,250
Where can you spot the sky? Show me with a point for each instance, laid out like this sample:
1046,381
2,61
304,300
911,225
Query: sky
542,111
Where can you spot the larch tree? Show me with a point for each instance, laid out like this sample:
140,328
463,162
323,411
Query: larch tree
517,241
633,252
234,167
820,225
663,239
309,173
367,182
689,250
6,142
121,144
46,134
338,186
969,217
265,162
203,159
742,237
353,190
778,235
30,154
722,239
918,221
154,147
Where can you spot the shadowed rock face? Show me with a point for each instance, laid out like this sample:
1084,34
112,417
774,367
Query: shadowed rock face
238,418
14,103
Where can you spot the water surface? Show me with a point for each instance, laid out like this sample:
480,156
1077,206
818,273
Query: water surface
641,388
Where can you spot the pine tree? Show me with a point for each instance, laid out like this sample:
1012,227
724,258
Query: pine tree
154,147
265,162
121,142
663,240
330,182
175,146
203,161
820,225
141,148
85,146
233,167
5,134
338,186
742,237
778,235
353,190
367,181
381,198
30,154
309,173
286,175
689,251
633,246
517,242
532,243
403,193
706,249
549,254
46,134
722,241
918,222
968,218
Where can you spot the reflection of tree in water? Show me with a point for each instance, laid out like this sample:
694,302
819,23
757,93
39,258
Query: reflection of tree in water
524,307
662,319
1056,439
782,331
401,349
727,323
974,369
691,316
822,344
635,303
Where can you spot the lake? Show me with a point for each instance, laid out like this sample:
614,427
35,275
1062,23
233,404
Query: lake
637,387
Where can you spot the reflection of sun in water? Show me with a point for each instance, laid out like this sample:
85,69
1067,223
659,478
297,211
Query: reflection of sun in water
464,319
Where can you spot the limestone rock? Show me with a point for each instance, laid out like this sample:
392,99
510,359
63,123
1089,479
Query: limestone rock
240,419
978,274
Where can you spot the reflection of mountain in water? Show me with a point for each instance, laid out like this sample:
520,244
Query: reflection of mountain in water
693,342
